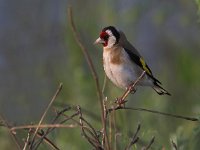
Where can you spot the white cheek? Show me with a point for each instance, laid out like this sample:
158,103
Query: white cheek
111,42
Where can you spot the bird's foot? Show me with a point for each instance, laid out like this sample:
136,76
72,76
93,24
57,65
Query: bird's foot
133,91
121,102
131,88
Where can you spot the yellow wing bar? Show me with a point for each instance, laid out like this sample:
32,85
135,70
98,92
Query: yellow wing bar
144,66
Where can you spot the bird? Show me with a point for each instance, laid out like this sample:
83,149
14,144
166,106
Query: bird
122,62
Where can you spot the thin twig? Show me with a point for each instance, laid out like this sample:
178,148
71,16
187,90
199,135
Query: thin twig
149,145
174,145
134,139
113,116
14,137
45,112
91,128
116,140
153,111
89,139
44,126
86,54
27,139
104,83
92,69
54,120
84,111
47,141
104,131
110,126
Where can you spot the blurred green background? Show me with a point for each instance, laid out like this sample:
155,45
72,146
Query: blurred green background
37,51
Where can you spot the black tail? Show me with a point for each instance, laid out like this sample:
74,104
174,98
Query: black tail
160,90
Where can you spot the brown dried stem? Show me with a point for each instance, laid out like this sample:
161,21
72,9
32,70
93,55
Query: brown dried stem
134,139
150,144
45,112
53,122
44,126
152,111
93,141
47,141
93,71
27,139
174,145
91,128
14,137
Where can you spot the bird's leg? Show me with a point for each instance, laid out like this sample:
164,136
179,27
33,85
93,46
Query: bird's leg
121,101
132,89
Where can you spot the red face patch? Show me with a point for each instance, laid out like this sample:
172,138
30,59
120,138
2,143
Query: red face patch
104,36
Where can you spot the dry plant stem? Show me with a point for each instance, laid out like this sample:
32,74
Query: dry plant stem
47,141
58,114
115,130
116,139
110,130
61,113
121,100
86,54
43,136
45,126
90,129
174,145
11,133
104,133
27,139
150,143
95,117
134,139
92,69
45,112
89,139
51,129
104,83
152,111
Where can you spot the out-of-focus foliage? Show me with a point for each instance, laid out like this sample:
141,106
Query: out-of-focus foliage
198,5
37,51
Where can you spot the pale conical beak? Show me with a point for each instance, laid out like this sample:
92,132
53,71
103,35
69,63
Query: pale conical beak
99,41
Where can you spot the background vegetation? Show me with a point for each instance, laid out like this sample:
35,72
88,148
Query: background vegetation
37,51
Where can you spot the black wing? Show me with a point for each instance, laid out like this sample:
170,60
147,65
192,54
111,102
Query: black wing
140,62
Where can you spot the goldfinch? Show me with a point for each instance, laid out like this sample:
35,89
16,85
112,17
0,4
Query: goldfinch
122,63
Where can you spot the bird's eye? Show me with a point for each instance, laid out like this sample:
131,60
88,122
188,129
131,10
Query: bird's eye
104,36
